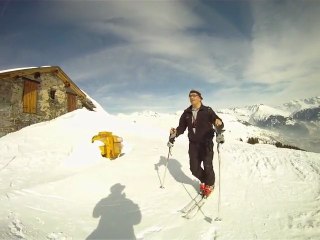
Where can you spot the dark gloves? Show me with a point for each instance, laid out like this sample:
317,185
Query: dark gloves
172,138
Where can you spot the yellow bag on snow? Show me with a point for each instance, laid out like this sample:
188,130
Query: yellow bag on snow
112,144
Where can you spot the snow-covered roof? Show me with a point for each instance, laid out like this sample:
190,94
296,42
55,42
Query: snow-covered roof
17,69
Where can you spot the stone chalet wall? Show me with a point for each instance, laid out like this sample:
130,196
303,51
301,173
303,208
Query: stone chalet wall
12,117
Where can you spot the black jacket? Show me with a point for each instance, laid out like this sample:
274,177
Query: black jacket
204,124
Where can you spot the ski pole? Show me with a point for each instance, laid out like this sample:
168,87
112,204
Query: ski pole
219,160
165,171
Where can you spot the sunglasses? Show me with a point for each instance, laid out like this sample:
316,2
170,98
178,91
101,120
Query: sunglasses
193,95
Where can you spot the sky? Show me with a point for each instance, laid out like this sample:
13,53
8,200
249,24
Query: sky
136,55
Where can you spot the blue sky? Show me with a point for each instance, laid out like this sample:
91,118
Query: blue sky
135,55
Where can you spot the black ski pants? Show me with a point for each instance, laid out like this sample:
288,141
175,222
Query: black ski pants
202,153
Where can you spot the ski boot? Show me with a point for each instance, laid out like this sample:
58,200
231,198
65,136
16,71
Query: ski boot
202,188
207,191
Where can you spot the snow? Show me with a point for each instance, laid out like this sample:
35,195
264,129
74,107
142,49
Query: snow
16,69
263,112
54,184
298,105
256,112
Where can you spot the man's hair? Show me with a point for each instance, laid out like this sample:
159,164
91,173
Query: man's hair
197,92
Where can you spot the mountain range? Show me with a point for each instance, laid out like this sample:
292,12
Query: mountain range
297,122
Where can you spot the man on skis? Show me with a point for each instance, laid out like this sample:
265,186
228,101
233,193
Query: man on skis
199,120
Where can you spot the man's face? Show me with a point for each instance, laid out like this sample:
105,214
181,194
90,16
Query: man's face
194,98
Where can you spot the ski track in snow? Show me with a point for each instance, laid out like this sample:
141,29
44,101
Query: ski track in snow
281,177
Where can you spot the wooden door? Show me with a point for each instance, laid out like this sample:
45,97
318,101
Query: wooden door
30,96
72,102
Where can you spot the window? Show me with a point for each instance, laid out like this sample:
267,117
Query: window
52,94
30,96
36,75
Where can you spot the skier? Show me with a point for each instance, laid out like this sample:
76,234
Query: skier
199,120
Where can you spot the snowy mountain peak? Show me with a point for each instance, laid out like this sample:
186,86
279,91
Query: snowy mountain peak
263,112
145,113
149,113
301,104
255,113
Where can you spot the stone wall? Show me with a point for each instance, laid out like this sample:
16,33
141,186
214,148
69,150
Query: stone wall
51,102
5,107
49,107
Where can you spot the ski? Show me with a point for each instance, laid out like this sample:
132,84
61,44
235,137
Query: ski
191,203
195,208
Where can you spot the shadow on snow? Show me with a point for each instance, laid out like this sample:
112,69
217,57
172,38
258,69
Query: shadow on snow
117,214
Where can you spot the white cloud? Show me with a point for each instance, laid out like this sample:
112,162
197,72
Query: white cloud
154,41
162,33
285,42
282,55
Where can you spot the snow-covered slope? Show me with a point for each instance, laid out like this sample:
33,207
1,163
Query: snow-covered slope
55,185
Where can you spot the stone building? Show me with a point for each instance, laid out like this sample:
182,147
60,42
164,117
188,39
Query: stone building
32,95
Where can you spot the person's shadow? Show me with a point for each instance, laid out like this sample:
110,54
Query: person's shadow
175,169
117,215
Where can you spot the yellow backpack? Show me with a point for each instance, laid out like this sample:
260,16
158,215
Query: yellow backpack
112,144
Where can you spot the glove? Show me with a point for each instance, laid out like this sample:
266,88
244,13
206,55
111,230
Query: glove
220,138
171,140
173,133
172,137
